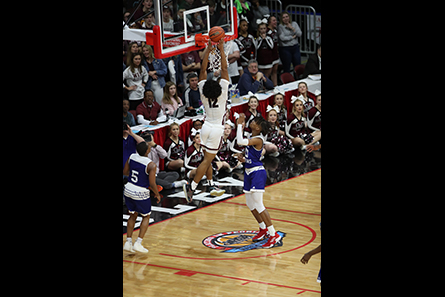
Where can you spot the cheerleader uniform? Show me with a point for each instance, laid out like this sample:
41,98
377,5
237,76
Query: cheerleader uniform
225,154
297,128
283,143
265,52
247,50
193,157
249,117
314,119
275,54
174,150
282,118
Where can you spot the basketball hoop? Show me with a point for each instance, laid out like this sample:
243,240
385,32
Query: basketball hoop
215,54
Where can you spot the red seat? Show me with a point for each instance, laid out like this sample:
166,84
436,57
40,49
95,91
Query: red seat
286,77
299,70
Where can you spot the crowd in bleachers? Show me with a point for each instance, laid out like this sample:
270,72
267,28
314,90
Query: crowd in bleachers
265,47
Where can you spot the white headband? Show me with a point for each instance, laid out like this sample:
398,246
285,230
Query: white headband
269,108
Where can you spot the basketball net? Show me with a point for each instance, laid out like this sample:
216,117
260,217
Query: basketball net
215,56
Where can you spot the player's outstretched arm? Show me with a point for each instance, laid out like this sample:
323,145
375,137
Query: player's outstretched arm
205,62
224,66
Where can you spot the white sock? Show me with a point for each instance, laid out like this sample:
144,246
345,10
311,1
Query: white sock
129,240
262,225
139,240
210,182
194,185
271,230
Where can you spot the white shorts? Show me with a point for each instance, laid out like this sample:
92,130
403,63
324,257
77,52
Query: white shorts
211,137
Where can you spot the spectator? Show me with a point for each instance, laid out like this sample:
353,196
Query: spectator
147,112
190,63
243,9
259,10
128,117
167,19
192,96
156,73
289,48
135,76
170,100
252,80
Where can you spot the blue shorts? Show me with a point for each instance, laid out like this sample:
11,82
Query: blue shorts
140,206
255,181
137,199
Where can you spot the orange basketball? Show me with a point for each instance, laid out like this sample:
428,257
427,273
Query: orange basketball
216,33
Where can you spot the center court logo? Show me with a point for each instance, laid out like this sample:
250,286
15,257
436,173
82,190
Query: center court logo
237,241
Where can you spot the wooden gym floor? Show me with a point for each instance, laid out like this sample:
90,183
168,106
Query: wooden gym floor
179,264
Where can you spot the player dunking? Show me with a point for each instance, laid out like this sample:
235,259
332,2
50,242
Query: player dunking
214,98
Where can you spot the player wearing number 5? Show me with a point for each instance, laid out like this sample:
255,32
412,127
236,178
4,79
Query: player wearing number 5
142,178
214,98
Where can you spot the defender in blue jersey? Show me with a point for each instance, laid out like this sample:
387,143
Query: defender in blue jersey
255,177
141,172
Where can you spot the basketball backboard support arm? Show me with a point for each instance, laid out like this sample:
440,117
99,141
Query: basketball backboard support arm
183,44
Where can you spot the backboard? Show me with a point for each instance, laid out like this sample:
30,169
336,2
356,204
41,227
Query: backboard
189,18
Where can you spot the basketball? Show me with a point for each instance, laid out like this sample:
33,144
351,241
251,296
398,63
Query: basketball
216,33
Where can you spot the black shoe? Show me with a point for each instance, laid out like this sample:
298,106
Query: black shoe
188,192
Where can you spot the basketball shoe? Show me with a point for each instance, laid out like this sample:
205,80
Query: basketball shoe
260,236
139,248
272,241
188,192
215,191
128,246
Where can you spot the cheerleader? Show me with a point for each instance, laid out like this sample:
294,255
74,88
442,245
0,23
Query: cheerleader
307,101
197,125
276,141
314,114
224,158
175,148
252,112
246,44
265,49
273,33
194,155
282,114
296,128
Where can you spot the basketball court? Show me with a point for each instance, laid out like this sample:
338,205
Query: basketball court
207,252
205,248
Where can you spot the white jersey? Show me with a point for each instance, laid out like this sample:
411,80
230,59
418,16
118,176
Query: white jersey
215,110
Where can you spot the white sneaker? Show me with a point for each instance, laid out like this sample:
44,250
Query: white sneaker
139,248
128,246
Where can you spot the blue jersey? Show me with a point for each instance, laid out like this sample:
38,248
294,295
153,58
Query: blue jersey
138,170
253,155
